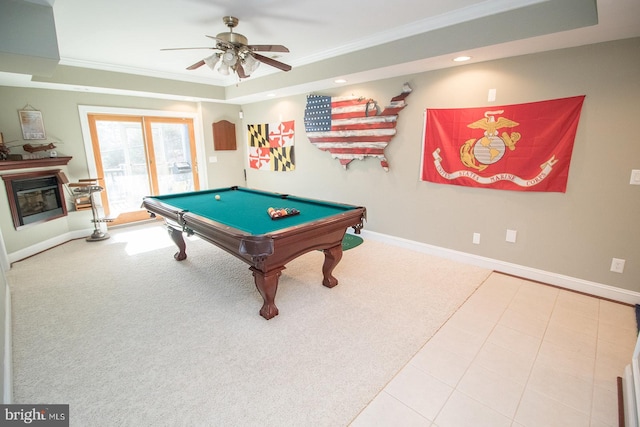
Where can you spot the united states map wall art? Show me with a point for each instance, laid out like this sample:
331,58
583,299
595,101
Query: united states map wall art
352,127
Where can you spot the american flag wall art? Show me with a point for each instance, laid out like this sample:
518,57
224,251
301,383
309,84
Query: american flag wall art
351,127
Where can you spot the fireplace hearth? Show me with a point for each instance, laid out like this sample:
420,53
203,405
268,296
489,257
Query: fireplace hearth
35,197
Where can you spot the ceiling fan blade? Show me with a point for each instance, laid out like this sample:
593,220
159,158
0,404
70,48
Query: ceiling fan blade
240,71
268,48
221,43
186,48
196,65
269,61
215,38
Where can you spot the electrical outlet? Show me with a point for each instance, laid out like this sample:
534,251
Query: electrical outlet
635,177
617,265
511,236
476,238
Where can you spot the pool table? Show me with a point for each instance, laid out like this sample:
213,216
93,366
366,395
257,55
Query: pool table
237,221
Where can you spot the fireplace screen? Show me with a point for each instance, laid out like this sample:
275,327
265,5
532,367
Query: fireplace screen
35,199
39,200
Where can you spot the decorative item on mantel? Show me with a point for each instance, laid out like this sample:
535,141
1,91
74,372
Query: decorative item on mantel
44,147
85,189
32,151
32,127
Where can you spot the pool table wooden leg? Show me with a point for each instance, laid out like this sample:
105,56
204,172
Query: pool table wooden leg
332,257
176,236
267,284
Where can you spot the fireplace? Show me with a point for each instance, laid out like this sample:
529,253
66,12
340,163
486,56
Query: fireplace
35,197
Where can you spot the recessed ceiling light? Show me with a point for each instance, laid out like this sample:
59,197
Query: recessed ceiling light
462,58
339,81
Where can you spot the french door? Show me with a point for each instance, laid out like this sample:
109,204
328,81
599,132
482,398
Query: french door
140,156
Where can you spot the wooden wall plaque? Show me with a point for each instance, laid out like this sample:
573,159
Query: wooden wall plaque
224,135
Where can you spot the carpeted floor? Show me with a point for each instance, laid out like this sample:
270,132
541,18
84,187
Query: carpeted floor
129,337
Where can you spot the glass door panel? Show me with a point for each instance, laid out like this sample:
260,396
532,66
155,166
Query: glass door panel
125,171
141,156
174,159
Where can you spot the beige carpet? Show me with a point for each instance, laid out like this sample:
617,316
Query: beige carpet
129,337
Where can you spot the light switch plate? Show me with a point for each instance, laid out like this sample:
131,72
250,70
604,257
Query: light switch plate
511,236
635,177
617,265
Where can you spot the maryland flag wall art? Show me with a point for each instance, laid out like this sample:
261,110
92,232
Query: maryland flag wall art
271,146
522,147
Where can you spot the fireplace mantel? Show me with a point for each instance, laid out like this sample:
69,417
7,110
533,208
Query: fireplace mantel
33,163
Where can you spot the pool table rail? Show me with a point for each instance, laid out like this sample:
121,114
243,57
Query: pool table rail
267,251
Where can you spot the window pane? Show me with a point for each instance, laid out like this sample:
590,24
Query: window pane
173,157
124,163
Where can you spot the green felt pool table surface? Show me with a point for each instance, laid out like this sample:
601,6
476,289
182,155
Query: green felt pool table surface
246,209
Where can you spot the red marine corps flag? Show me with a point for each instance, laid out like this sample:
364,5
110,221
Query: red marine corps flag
523,147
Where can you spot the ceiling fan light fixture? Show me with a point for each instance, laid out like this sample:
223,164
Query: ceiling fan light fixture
250,64
230,58
212,60
223,69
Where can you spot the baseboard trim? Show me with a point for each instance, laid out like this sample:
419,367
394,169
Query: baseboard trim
48,244
8,351
562,281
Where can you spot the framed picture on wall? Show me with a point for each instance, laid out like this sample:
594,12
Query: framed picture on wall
32,124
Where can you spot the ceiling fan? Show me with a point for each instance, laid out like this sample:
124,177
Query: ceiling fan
236,54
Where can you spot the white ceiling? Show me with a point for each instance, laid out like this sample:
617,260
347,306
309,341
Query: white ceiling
127,36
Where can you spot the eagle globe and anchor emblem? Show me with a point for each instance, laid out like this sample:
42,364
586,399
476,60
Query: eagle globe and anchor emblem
479,154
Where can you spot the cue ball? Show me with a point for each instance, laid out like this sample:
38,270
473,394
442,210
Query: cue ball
217,197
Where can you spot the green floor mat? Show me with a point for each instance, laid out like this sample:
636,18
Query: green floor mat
350,241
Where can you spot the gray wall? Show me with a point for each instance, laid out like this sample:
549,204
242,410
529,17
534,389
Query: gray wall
576,233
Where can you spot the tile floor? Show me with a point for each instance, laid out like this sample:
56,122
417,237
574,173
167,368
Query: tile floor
517,353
